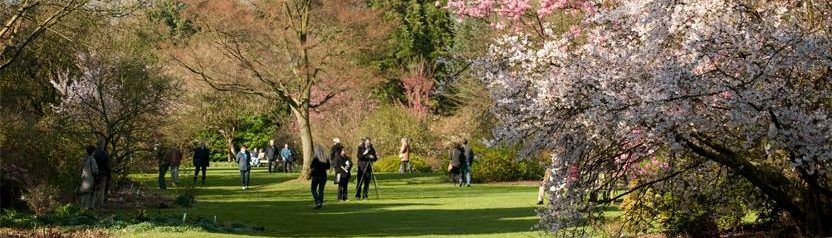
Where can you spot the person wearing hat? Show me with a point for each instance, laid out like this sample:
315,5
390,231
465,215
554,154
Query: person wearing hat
366,155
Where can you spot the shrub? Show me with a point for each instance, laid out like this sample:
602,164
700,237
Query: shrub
391,164
501,164
389,124
42,198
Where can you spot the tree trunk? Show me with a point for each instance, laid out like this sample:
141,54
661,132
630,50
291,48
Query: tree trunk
229,143
302,115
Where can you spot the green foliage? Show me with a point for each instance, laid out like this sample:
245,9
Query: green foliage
256,131
391,164
500,164
387,125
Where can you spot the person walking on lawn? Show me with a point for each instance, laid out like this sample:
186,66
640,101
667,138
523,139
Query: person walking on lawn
270,155
175,159
288,157
342,168
468,163
317,175
455,165
202,159
244,162
160,155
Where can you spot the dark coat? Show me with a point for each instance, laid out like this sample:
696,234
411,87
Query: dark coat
335,152
342,162
270,152
457,157
318,168
202,157
468,154
102,160
369,156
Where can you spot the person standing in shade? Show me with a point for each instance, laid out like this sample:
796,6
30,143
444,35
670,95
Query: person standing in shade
270,152
454,167
160,156
468,163
202,159
288,157
175,159
342,168
104,176
89,169
244,162
404,157
317,175
366,155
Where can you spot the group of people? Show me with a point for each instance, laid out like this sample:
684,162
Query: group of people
246,159
338,159
460,167
171,159
95,176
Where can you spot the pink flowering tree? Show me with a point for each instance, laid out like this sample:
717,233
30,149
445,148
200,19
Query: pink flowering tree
744,86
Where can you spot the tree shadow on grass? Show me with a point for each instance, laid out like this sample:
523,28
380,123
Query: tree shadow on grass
296,218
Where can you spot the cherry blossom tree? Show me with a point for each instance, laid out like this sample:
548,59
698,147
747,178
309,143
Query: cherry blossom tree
741,84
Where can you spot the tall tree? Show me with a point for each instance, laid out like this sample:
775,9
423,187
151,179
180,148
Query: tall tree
297,52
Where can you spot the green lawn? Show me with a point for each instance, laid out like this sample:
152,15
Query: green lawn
410,205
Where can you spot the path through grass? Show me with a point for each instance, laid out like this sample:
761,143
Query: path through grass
410,205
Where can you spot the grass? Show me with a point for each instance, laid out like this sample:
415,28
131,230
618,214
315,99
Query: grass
409,205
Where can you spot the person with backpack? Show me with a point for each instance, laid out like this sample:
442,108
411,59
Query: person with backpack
455,164
89,168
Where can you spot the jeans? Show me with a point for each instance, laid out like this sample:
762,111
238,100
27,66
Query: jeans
196,173
404,166
174,174
468,175
318,183
163,169
245,175
287,166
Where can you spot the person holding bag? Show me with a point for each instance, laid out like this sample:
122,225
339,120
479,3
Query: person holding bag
343,166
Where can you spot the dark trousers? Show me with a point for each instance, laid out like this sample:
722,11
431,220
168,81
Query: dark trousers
287,166
456,176
318,183
163,169
365,174
245,175
272,166
342,186
196,173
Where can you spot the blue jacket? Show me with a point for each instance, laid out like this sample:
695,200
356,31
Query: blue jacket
286,153
244,160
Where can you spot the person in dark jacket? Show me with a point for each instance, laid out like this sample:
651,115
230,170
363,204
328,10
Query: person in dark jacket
102,179
335,151
244,162
160,155
270,152
468,162
366,155
320,164
202,158
342,167
454,167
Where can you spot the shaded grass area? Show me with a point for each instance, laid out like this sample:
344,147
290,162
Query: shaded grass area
409,205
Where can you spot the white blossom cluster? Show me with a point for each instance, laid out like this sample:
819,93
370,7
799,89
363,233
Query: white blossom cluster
753,79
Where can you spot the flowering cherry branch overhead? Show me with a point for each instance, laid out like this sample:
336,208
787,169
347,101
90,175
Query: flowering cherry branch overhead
732,82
